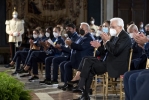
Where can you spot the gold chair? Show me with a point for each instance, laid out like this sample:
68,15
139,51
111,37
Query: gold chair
95,82
111,84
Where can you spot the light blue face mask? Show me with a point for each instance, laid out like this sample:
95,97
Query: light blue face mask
105,29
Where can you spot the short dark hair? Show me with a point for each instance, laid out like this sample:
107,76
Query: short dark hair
71,25
107,21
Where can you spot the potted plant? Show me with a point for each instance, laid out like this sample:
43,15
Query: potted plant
12,89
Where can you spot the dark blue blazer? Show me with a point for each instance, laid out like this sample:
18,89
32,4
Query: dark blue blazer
137,51
146,49
81,49
66,51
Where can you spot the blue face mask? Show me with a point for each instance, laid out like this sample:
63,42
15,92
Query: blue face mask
105,29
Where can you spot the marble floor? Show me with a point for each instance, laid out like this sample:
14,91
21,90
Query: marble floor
45,92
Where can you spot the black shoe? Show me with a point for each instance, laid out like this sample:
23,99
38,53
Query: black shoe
33,78
25,75
60,87
76,90
48,82
54,82
7,66
73,82
68,88
22,71
14,73
42,82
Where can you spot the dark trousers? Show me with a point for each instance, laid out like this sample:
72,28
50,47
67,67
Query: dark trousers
130,84
35,57
142,83
13,49
62,70
67,71
19,56
91,66
56,61
48,62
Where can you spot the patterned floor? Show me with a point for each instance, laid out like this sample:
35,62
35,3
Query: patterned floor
44,92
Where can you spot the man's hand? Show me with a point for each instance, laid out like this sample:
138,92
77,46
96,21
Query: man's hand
95,44
140,39
105,37
58,46
68,42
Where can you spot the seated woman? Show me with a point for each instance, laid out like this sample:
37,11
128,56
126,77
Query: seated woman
44,56
24,54
105,29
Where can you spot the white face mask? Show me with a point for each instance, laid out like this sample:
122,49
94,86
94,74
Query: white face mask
15,16
141,25
35,36
47,34
40,36
98,33
55,34
92,22
112,32
66,35
105,29
131,35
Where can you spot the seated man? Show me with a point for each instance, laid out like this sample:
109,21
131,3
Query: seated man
115,61
138,56
79,49
131,76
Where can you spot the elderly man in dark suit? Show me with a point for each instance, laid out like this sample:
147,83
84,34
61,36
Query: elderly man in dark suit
115,61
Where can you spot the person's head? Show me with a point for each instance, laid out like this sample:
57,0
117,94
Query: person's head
147,27
49,32
38,28
93,32
56,31
92,21
84,28
100,28
70,29
132,29
15,13
141,24
105,26
60,27
41,33
35,33
116,26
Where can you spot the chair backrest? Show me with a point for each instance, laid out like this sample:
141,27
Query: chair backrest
130,57
95,49
147,63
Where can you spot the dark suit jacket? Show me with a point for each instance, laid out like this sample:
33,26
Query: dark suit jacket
66,51
137,51
81,49
118,55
